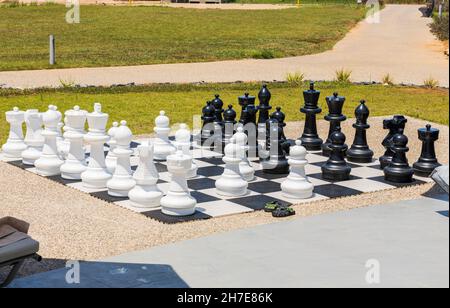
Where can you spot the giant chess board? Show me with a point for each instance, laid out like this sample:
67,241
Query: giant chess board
265,188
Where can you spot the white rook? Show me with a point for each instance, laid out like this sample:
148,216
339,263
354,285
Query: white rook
15,144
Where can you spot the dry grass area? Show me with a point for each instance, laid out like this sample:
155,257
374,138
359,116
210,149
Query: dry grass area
72,225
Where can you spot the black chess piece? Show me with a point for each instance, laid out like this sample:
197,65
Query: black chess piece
398,170
336,168
264,107
360,152
277,162
427,161
208,127
218,106
395,126
335,117
229,121
310,139
248,114
280,117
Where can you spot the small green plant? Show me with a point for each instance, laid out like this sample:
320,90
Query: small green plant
343,76
66,83
263,54
295,78
387,80
431,83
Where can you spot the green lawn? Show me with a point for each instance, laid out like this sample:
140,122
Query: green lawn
140,105
112,36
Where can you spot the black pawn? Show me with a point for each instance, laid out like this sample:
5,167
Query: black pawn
280,117
277,162
248,113
229,121
336,168
360,152
310,139
218,106
398,170
427,161
395,126
208,127
335,117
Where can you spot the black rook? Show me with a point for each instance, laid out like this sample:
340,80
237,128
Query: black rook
427,161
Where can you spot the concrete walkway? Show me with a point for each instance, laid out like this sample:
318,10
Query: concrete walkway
410,240
401,44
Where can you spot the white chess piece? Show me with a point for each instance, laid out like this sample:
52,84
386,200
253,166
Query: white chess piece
50,161
62,144
75,163
111,158
122,180
15,144
178,201
183,140
247,171
145,194
231,182
33,137
96,174
296,185
162,145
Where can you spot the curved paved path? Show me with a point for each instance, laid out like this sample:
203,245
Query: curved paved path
401,44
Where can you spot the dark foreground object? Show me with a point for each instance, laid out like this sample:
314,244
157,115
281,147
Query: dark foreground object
336,168
396,125
335,117
310,139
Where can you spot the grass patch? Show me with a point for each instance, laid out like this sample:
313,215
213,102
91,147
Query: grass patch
140,105
114,36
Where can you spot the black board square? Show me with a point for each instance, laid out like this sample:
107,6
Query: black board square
161,167
382,180
59,179
335,191
159,216
319,177
203,198
203,183
264,187
18,163
210,171
257,202
103,195
269,176
217,161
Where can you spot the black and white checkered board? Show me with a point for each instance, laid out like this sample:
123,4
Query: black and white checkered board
265,188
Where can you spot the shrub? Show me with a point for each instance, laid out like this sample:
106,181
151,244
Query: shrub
439,27
263,54
343,75
387,79
295,78
431,83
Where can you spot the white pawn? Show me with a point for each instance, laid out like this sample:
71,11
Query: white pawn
15,144
145,194
75,164
231,182
178,201
247,171
111,158
183,141
50,161
162,145
96,174
296,185
122,181
33,137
